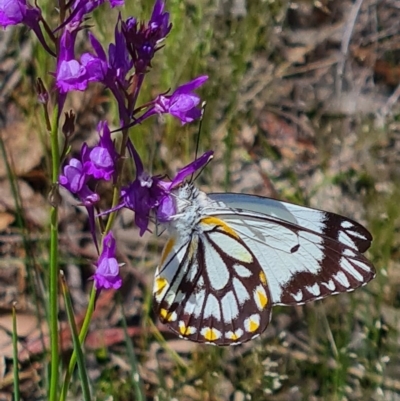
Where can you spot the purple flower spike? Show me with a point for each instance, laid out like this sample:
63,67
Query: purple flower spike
102,158
107,272
143,40
182,104
149,193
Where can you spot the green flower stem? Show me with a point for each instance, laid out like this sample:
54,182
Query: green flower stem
117,187
90,309
17,395
53,274
76,341
82,336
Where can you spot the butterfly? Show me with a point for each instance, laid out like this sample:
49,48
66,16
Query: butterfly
231,257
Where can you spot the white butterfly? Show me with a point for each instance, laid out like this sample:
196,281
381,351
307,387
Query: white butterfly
231,257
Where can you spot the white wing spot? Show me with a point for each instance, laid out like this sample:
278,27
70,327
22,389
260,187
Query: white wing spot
349,253
260,297
234,335
210,334
216,268
241,292
346,224
345,239
242,271
298,297
356,234
330,285
314,289
229,307
252,323
212,308
346,265
342,279
361,265
194,304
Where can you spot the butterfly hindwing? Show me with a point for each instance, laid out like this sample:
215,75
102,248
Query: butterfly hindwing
213,290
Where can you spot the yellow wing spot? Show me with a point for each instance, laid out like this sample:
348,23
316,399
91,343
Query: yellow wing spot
167,250
159,285
252,323
210,334
234,336
193,247
263,278
168,316
214,221
262,298
186,330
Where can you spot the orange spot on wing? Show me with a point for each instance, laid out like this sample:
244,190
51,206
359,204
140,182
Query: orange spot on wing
210,334
166,315
159,285
253,326
214,221
167,250
263,299
263,278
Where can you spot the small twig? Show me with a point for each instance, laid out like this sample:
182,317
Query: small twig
344,48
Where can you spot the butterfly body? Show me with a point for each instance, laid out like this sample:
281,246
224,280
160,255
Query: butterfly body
231,257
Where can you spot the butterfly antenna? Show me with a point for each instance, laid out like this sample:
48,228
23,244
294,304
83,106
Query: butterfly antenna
203,109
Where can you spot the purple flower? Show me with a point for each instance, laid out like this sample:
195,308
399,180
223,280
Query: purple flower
147,193
143,194
103,157
13,12
112,72
107,272
75,179
159,22
72,74
144,40
182,104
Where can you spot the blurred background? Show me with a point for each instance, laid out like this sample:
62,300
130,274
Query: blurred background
302,105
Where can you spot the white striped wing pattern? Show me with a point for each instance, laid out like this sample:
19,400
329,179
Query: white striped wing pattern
240,254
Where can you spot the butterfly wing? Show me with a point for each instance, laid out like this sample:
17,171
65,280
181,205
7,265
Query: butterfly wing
329,224
212,288
306,254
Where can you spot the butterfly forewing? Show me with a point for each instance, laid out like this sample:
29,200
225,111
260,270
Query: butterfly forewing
321,222
216,290
300,265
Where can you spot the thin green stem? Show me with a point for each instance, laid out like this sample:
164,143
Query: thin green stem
82,336
17,395
76,341
53,274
